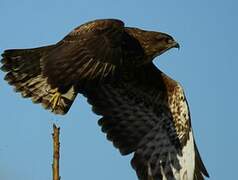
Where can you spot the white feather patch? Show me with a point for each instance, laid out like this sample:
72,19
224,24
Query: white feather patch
187,161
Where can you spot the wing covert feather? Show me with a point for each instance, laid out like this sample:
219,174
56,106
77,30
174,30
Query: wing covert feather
92,50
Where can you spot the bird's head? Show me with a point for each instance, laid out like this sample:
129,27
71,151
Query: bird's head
154,43
159,43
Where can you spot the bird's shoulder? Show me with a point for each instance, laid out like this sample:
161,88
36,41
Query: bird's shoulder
95,28
164,93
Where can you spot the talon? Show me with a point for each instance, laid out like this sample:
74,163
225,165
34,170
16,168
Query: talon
55,99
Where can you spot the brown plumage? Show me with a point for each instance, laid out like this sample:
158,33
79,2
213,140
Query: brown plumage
143,110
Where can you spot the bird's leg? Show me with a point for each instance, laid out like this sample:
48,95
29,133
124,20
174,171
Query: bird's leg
55,99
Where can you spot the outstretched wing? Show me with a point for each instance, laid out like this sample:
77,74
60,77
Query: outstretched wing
23,71
93,50
52,75
148,115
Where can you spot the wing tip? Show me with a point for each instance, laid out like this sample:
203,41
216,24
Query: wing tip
199,162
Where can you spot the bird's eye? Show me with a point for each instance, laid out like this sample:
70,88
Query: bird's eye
169,41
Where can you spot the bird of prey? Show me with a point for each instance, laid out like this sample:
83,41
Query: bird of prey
143,111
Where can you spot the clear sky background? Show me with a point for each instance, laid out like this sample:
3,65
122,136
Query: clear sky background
206,66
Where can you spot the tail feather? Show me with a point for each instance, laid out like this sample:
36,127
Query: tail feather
25,74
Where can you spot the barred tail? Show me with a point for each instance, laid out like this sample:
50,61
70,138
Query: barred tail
25,74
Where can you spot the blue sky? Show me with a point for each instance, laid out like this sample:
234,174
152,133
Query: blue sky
206,66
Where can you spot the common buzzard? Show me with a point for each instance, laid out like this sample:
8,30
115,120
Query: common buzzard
143,111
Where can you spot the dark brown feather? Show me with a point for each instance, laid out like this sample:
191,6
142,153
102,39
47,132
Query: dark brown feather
92,51
137,117
25,74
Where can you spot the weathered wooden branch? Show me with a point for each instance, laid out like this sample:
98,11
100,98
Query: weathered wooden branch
56,152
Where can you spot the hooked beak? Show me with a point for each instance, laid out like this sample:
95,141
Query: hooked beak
175,44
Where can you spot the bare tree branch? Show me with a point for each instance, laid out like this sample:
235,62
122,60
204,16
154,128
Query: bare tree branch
56,152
